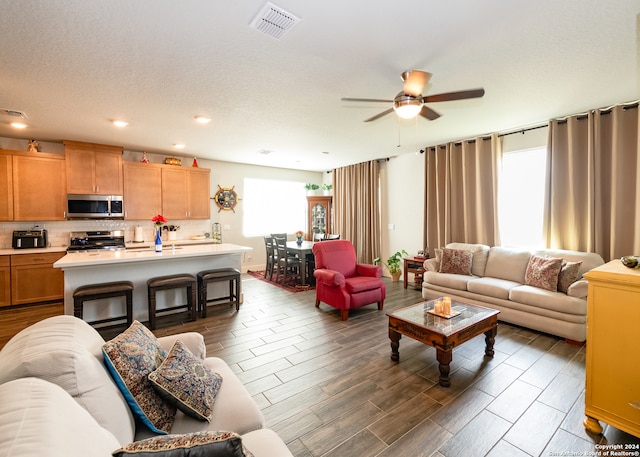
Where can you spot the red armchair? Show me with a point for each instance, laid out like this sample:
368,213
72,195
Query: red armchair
343,283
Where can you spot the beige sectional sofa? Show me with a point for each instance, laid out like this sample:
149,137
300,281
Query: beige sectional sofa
57,397
497,280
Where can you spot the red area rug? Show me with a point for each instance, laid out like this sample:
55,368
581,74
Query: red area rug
289,286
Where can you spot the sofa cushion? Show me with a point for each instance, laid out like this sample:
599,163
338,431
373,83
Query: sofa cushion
38,418
546,299
491,287
456,261
130,357
446,280
480,254
543,272
67,351
569,274
590,260
198,444
184,380
507,263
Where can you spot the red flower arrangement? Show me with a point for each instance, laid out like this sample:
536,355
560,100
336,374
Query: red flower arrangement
159,220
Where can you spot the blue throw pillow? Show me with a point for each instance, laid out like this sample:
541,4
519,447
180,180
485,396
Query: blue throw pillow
130,357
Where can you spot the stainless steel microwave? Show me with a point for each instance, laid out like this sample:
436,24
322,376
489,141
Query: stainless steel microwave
95,206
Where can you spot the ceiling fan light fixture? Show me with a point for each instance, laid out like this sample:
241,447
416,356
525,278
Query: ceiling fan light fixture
406,106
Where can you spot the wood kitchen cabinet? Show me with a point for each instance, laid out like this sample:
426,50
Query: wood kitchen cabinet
39,192
93,168
5,280
185,192
34,280
6,188
142,190
612,390
319,216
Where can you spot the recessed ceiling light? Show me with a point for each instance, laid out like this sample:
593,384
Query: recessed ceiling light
179,146
325,152
19,125
264,152
202,119
119,123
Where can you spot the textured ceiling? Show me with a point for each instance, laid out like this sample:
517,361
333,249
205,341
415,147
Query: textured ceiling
74,65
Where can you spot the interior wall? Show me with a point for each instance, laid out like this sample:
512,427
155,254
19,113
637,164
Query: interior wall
402,204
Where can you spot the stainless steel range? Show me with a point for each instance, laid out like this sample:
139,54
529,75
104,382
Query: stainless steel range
96,241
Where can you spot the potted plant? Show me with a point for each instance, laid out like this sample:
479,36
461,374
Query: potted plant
393,264
311,188
326,189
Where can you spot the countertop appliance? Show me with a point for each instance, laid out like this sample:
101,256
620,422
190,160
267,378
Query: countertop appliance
96,240
89,206
27,239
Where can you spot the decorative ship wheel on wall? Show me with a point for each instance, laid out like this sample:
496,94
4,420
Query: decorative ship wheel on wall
226,198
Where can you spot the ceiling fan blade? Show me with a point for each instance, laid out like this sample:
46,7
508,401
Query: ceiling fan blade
348,99
378,116
429,113
414,81
449,96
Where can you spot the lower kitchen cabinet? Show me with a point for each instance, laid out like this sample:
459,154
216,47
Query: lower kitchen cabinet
5,280
34,280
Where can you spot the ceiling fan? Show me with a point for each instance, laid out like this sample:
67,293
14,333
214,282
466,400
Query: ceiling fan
410,102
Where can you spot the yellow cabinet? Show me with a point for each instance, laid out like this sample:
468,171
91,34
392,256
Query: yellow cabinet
142,190
34,280
5,280
39,187
6,188
93,168
185,192
612,366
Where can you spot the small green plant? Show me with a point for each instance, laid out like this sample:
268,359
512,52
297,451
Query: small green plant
309,186
327,187
393,263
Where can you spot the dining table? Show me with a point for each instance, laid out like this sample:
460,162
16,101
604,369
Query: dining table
301,250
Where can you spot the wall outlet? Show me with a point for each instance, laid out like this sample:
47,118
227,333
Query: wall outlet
392,226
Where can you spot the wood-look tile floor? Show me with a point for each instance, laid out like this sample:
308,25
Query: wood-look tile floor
329,388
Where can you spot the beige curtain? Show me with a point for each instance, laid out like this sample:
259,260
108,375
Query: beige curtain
462,192
356,207
593,183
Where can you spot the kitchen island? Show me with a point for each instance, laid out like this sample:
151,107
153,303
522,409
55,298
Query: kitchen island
139,265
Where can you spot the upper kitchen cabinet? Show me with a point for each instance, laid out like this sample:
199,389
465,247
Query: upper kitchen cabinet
39,192
6,188
142,190
93,168
185,192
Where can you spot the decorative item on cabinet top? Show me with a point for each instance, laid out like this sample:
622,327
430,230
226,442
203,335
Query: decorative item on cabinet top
226,198
173,161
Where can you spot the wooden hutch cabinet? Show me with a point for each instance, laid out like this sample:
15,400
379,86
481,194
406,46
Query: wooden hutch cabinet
612,390
318,216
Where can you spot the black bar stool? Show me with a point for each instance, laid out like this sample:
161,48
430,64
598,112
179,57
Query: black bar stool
178,281
101,291
222,274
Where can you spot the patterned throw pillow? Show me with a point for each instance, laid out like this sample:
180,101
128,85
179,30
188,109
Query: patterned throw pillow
543,272
185,381
568,275
130,357
199,444
456,261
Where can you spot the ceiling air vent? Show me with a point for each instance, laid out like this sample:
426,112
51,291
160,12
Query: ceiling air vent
273,21
13,113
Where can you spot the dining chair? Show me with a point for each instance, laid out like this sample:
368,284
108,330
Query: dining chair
287,265
331,236
271,256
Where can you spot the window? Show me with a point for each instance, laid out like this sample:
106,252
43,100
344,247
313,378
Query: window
272,206
521,198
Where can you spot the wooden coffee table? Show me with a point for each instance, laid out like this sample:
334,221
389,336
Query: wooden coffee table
418,322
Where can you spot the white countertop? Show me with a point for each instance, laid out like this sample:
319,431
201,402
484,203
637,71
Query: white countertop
12,251
146,254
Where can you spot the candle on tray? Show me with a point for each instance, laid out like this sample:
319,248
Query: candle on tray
437,306
446,305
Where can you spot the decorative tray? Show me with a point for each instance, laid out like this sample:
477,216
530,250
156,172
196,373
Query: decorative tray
454,313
